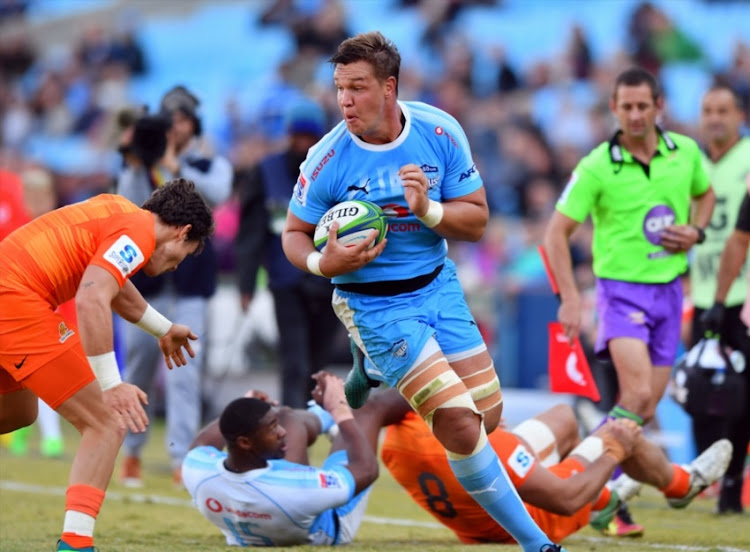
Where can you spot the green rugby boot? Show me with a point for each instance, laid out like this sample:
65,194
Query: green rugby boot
357,385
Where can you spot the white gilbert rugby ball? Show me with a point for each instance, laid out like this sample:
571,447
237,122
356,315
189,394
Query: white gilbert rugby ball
357,219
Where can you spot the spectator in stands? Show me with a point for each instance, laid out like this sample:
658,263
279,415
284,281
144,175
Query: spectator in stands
302,301
183,293
656,40
727,160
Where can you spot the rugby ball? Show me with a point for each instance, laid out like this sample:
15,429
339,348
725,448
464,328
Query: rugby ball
357,219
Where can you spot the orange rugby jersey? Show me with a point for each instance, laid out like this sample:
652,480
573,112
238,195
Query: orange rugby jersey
49,254
431,482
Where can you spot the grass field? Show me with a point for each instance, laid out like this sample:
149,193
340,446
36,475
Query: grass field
160,518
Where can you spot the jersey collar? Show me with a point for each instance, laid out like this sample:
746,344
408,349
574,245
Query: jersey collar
619,155
391,145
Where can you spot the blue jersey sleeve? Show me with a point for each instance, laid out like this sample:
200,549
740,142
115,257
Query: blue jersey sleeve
461,174
315,190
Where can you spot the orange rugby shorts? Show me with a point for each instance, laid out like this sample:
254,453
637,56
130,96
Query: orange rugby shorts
39,350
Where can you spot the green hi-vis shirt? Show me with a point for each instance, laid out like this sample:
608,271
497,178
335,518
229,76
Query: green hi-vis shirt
629,208
729,178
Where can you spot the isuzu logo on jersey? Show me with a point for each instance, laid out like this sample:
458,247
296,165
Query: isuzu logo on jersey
322,163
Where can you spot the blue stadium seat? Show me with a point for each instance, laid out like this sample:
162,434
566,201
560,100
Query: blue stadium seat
46,10
684,85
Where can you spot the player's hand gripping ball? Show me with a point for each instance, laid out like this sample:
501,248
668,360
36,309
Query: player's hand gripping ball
357,219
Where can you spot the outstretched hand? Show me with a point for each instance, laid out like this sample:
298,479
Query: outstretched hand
126,401
171,345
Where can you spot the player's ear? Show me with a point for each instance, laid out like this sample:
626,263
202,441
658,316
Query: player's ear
244,442
390,87
184,231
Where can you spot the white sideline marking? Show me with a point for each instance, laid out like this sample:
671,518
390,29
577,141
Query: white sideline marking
656,546
173,501
140,498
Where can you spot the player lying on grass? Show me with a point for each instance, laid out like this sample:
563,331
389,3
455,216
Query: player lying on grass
262,490
561,478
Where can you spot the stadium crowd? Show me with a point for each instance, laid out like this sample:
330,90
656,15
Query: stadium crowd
530,116
529,123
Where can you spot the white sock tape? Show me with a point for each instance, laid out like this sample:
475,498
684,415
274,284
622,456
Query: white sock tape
154,322
105,369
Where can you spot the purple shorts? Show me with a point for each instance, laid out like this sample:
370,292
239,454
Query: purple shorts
649,312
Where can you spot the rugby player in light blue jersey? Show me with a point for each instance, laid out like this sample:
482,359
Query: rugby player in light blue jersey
401,300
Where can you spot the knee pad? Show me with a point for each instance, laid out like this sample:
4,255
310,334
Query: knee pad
540,439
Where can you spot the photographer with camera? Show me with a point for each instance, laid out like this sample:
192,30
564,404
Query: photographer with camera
157,148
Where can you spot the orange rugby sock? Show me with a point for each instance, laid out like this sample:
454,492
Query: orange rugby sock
82,504
680,484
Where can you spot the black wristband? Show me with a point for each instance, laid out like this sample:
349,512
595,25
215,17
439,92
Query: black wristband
701,233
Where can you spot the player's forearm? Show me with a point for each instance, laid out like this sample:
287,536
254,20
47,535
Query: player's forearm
558,253
732,258
94,326
209,436
704,208
129,303
463,220
363,463
585,487
297,246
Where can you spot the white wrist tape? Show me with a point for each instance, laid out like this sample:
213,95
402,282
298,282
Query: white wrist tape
313,263
105,369
154,322
434,214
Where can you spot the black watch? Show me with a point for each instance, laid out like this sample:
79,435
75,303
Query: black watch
701,233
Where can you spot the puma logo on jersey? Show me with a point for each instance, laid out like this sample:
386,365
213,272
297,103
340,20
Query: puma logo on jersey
355,188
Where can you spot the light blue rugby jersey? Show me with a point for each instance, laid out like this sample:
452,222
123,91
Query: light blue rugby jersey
283,504
342,167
